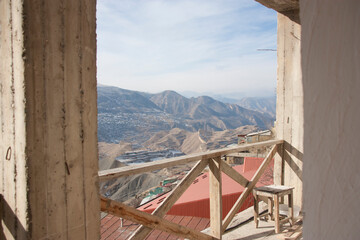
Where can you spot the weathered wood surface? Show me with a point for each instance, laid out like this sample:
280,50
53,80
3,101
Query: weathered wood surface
249,188
146,167
166,205
215,195
151,221
233,174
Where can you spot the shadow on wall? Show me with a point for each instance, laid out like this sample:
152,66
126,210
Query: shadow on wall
10,220
295,152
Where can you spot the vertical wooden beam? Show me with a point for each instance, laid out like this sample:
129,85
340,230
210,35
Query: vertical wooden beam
270,208
256,210
291,207
215,197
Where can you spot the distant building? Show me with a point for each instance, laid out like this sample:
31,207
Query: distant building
241,138
259,136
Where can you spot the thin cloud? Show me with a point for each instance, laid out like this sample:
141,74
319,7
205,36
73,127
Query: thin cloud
157,45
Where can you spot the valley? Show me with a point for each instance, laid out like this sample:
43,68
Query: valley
136,127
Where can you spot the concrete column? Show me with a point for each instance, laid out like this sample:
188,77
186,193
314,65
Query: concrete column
331,76
289,107
48,166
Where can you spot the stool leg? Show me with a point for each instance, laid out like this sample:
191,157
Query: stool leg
291,208
256,210
270,208
277,215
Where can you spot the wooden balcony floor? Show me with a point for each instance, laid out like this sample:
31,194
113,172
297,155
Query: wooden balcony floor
111,227
243,228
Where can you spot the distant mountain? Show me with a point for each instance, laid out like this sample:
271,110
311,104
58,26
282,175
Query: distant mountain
209,112
113,99
193,142
263,105
136,116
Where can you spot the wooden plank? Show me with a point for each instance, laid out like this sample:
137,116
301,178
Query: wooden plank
249,188
233,174
296,235
215,197
132,214
165,163
287,219
166,205
295,232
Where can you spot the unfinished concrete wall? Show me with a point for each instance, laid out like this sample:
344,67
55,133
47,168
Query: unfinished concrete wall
331,80
48,167
289,107
13,182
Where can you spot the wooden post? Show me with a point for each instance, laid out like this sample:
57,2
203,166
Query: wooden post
215,197
256,210
277,214
291,207
270,208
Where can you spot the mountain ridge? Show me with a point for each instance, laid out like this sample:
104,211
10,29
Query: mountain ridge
122,114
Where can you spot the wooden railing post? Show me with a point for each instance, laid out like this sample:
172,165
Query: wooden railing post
215,197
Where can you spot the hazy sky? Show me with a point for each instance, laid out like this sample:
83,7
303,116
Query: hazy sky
186,45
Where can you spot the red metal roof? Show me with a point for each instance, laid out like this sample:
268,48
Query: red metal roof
195,201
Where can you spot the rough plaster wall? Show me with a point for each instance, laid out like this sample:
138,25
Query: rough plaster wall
49,183
289,109
13,192
331,78
60,77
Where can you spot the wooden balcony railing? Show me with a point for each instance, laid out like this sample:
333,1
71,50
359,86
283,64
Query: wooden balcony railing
216,166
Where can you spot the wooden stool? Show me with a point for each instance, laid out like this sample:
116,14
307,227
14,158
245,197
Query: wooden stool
273,193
